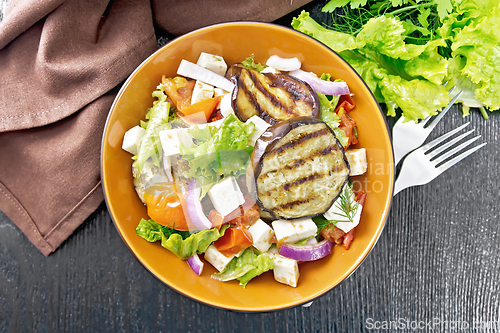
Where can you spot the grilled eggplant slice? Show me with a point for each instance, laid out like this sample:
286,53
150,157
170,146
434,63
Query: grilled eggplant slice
303,173
273,97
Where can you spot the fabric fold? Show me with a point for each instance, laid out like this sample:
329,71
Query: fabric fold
62,62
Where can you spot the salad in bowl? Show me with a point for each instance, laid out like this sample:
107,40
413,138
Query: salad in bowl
196,182
247,166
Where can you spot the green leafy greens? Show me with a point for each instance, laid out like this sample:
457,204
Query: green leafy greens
327,114
249,264
219,152
157,120
249,63
407,50
181,243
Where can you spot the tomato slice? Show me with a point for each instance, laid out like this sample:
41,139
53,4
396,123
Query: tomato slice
205,108
179,90
348,126
235,240
166,210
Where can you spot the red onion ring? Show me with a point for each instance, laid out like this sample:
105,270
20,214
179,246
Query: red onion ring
195,263
307,252
194,208
322,86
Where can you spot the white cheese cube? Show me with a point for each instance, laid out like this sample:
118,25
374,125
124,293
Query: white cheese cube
225,105
219,92
337,214
132,138
261,234
285,231
201,92
357,161
217,259
286,270
295,230
270,69
348,226
226,196
212,62
172,139
260,127
305,228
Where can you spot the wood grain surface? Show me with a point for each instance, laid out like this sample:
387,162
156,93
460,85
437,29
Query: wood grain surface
436,266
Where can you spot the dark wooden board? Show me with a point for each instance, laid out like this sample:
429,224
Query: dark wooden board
436,262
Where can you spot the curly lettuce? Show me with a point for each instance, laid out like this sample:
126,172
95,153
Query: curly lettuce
157,120
328,115
474,30
401,75
181,243
249,264
219,152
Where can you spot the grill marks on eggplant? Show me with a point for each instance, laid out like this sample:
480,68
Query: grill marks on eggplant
273,97
303,173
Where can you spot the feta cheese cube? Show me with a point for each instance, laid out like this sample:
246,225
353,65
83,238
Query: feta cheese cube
212,62
260,127
261,234
219,92
172,139
348,226
336,213
286,270
294,231
357,161
225,105
305,228
226,196
284,231
201,92
217,259
132,138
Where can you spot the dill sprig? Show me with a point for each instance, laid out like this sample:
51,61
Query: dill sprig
420,18
347,205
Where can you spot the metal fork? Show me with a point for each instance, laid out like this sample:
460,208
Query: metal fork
421,166
410,135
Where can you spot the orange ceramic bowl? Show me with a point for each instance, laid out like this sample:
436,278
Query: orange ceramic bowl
235,42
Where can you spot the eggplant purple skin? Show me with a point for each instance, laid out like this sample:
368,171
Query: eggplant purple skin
286,81
266,143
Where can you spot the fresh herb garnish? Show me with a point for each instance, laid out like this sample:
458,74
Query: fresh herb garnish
347,207
249,63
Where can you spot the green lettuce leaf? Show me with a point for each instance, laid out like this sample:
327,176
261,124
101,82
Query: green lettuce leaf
249,264
157,120
475,35
401,75
152,231
328,115
181,243
249,63
335,40
219,152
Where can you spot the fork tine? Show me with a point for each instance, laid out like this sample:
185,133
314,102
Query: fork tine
455,150
449,144
443,137
460,157
442,113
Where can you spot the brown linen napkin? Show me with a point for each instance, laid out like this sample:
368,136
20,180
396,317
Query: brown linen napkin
61,63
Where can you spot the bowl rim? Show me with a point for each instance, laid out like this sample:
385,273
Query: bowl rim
372,243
